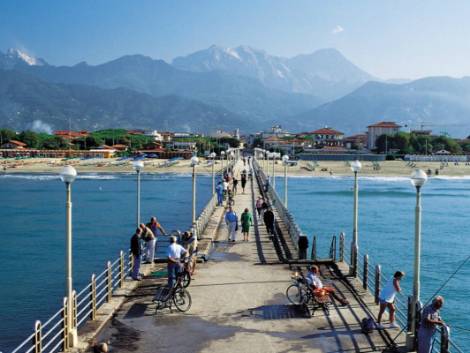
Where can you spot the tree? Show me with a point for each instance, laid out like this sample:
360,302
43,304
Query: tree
30,138
6,135
54,143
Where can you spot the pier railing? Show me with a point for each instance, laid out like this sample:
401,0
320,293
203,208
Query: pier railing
53,335
292,228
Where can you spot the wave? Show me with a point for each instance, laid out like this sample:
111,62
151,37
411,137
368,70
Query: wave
46,177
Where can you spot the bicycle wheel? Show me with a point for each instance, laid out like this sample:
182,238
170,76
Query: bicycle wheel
182,300
295,294
186,278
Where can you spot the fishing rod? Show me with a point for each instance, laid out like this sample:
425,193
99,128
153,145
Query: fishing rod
392,345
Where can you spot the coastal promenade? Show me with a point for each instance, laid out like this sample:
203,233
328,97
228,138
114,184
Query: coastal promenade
239,303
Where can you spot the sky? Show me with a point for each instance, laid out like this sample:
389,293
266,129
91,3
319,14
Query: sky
391,39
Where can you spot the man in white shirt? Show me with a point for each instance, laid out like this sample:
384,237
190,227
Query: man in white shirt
174,253
313,279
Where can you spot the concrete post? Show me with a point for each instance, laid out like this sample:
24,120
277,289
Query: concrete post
213,176
65,327
417,264
109,281
341,247
121,269
365,276
378,271
93,297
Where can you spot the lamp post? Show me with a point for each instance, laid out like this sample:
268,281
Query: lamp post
68,176
194,162
213,155
418,179
138,167
222,154
274,155
285,161
355,167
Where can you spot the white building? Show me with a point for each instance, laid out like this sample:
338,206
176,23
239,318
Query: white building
378,129
154,133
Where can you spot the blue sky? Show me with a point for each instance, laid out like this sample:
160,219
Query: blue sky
390,39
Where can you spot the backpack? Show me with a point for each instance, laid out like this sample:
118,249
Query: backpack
367,325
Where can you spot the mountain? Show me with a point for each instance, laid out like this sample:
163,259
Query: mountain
243,96
16,57
325,73
25,99
440,103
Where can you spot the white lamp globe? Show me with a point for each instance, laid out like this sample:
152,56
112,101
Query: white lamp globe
212,155
418,177
194,161
356,166
285,158
68,174
222,153
138,165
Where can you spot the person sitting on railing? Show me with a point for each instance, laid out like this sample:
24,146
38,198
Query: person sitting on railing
174,253
313,279
157,231
149,240
136,252
430,319
387,299
219,189
269,221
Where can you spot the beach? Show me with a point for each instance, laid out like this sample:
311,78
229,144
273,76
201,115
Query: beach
303,168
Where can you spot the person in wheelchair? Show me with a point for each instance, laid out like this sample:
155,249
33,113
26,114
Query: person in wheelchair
318,289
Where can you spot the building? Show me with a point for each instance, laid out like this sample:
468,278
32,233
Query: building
14,145
326,137
378,129
71,135
154,134
358,141
182,145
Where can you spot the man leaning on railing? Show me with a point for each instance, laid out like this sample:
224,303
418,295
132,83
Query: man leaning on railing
430,319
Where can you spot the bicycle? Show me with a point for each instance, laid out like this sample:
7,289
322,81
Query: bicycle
165,297
301,293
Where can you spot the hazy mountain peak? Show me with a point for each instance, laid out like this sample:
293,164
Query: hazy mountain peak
18,54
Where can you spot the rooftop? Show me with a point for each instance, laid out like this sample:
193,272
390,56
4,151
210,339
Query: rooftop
326,131
386,124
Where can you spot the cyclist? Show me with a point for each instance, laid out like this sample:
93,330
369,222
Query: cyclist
174,253
314,281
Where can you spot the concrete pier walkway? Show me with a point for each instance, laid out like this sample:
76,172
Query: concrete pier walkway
239,305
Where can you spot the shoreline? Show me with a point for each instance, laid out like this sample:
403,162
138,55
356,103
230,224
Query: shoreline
322,168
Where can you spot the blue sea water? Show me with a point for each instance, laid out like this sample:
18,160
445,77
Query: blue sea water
32,235
323,206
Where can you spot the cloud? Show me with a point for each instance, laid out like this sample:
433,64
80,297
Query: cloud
338,29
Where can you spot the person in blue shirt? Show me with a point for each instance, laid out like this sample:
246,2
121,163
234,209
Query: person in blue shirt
219,189
231,219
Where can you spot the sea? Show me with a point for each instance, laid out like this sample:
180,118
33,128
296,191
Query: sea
323,206
32,234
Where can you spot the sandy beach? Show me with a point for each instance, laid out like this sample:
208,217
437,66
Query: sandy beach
303,168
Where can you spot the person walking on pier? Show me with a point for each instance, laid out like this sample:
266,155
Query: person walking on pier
231,219
246,219
387,299
243,181
220,193
235,184
174,253
430,319
259,205
136,252
268,218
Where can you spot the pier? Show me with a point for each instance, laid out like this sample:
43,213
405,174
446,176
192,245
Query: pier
239,301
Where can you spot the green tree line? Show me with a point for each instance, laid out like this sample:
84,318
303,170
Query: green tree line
410,143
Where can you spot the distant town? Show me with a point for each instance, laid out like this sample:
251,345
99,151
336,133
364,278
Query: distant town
382,140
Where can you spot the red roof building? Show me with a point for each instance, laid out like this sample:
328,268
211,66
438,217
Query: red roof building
379,129
70,135
327,137
14,145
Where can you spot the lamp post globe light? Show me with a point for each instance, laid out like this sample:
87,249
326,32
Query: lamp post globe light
274,155
212,156
194,163
68,176
285,161
355,167
222,154
138,166
418,179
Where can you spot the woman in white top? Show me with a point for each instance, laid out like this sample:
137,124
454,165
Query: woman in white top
387,298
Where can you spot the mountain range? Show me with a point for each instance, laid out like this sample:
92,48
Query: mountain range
223,88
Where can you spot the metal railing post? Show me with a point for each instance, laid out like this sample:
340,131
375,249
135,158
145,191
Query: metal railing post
74,309
341,247
93,297
37,341
109,281
444,339
365,272
121,269
313,255
65,327
378,271
409,317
